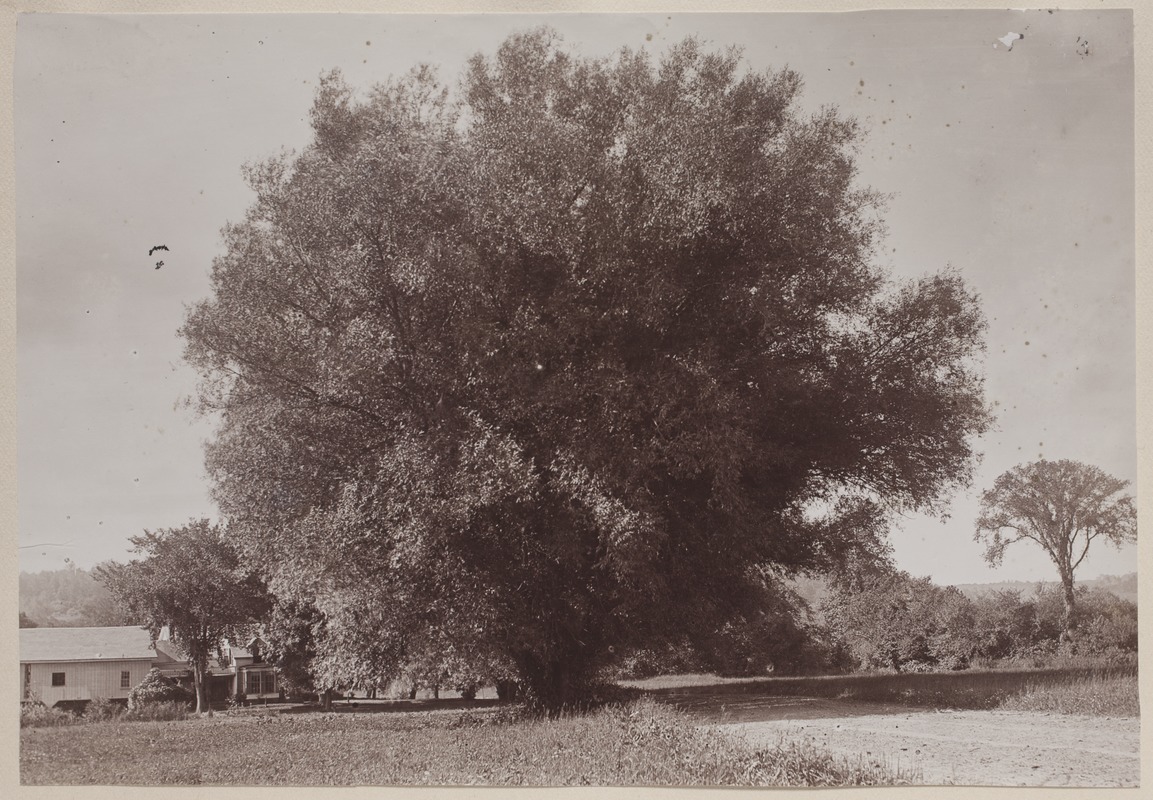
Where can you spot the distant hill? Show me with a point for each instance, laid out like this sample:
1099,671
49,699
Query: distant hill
814,590
68,598
1124,586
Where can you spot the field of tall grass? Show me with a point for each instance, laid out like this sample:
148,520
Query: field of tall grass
1092,695
640,743
1097,690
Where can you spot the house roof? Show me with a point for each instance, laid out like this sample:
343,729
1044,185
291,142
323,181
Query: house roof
169,659
85,644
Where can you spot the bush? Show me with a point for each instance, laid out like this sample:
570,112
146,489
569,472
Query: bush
101,710
34,714
891,620
163,711
155,688
648,662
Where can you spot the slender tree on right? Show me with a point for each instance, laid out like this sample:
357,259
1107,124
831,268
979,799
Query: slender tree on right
1063,506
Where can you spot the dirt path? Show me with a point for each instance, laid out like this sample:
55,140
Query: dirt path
990,748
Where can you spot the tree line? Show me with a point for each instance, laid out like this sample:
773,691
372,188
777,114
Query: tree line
68,598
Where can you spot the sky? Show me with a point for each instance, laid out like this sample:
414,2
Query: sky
1013,165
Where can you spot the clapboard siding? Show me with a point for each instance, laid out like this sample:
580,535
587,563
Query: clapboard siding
85,680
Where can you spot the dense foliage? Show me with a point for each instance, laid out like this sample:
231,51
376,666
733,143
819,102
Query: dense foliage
190,581
1061,506
155,688
892,621
68,598
582,359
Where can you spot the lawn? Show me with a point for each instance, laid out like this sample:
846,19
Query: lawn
642,743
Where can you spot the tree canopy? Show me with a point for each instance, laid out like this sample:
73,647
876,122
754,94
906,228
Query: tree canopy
191,582
578,357
1063,507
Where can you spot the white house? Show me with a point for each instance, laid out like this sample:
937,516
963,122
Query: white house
241,671
74,665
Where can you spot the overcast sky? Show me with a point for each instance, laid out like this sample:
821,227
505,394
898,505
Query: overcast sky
1013,165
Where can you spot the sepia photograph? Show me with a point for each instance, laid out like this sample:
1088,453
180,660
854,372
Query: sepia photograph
663,399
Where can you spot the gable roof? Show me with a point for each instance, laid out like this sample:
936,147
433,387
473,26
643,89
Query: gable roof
168,657
85,644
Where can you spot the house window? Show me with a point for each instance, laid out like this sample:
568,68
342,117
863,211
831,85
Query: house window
57,678
261,682
125,680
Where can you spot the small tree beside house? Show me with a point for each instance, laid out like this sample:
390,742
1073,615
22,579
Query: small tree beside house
190,581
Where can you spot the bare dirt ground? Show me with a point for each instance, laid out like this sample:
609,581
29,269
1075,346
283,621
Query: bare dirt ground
974,748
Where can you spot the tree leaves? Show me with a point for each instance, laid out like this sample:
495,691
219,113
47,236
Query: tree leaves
544,363
191,582
1062,506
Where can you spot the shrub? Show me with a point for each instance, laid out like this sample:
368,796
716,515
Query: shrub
155,688
35,714
101,710
158,711
647,662
891,620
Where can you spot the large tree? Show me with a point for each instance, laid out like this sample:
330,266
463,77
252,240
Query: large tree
1063,507
190,581
574,359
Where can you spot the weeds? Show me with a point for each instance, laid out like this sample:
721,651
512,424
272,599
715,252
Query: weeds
100,710
971,689
167,711
1094,695
37,715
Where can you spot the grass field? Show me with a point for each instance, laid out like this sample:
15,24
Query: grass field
1093,695
1100,691
642,743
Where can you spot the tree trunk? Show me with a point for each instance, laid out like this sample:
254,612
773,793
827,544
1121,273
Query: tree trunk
554,687
326,700
1070,609
198,681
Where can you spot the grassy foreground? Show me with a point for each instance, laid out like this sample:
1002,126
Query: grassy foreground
642,743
